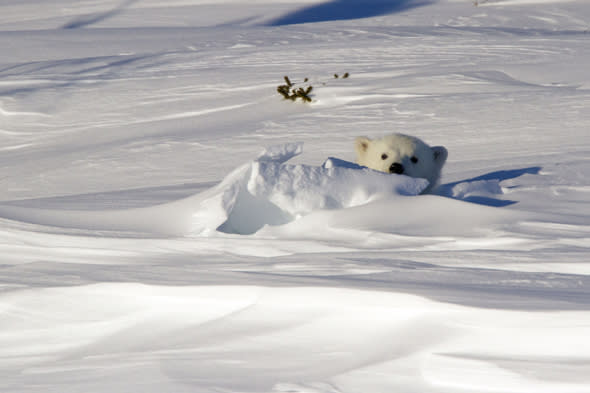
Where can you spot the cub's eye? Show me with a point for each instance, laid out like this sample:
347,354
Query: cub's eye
414,159
384,156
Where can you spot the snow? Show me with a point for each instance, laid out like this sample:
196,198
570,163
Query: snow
263,192
147,245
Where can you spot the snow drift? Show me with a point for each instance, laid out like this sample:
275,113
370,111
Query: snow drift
263,192
274,193
124,116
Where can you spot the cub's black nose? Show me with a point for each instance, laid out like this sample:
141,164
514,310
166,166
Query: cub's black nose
396,168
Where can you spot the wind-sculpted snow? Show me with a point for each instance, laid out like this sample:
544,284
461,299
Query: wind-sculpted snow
296,340
144,247
339,199
266,191
272,192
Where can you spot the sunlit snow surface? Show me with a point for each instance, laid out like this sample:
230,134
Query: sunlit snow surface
147,246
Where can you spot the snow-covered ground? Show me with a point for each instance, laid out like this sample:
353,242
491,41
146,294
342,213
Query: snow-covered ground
147,245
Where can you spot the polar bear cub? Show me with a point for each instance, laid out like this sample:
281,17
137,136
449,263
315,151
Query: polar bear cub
403,155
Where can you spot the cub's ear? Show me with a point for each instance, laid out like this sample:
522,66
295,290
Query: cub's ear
361,145
440,155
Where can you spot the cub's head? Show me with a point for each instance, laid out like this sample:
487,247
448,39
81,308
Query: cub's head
402,155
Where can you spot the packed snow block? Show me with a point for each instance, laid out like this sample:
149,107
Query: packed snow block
336,162
275,193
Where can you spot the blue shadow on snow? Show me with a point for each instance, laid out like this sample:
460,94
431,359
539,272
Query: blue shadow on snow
346,10
87,20
447,189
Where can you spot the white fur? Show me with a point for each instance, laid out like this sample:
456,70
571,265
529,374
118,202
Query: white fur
401,151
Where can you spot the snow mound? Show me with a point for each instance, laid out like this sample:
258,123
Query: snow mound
266,191
271,192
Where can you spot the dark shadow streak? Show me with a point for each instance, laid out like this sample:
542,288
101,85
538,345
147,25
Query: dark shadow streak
346,10
481,200
88,20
